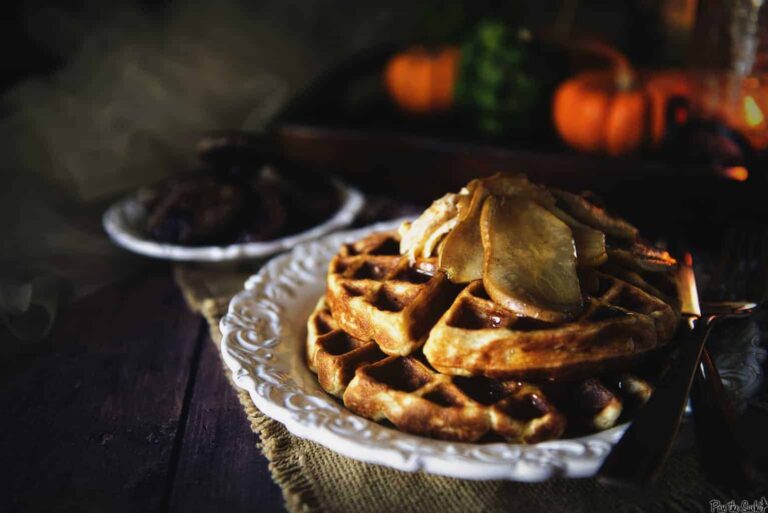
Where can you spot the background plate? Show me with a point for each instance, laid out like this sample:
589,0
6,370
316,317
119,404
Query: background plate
125,220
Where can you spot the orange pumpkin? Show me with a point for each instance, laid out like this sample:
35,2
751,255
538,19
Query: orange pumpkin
615,111
421,81
595,114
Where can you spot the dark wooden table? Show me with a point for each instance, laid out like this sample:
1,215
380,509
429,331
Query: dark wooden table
126,407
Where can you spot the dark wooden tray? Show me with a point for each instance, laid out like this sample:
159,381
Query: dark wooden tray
344,124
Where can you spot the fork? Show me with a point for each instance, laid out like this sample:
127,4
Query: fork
723,457
638,456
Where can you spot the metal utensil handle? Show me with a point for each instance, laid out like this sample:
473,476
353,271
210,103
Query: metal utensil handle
638,456
723,457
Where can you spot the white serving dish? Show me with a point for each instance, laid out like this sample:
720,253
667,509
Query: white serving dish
124,222
263,345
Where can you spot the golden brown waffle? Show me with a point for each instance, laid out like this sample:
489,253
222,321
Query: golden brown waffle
416,399
375,294
407,392
621,324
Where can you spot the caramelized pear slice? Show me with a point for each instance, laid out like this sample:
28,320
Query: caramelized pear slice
659,259
463,203
419,238
461,255
642,257
595,216
503,184
530,260
590,243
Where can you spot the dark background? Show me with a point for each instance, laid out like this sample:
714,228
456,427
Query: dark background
27,50
64,67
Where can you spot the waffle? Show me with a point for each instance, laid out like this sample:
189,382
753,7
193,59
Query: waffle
376,294
620,324
410,394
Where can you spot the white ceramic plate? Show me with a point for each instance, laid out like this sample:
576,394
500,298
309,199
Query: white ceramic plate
125,220
263,345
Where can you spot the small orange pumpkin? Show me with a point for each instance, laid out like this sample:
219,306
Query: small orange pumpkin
615,111
594,112
422,81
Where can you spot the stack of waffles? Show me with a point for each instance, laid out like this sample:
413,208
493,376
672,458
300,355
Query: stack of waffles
398,342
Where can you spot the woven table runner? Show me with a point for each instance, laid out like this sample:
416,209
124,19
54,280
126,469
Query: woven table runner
314,479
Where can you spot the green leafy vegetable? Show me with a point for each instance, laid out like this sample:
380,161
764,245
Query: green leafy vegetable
494,82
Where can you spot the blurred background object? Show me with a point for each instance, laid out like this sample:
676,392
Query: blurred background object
99,101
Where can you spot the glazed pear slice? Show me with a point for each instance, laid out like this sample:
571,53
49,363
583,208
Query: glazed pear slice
419,238
461,256
642,257
503,184
594,216
590,243
530,260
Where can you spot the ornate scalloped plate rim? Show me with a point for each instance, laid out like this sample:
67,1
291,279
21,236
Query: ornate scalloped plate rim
117,222
258,345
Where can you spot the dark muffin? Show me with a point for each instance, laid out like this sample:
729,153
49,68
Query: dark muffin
243,203
196,210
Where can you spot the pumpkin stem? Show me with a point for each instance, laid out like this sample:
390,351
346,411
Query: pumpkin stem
624,74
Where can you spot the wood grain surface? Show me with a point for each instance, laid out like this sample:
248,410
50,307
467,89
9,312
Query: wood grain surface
219,466
126,408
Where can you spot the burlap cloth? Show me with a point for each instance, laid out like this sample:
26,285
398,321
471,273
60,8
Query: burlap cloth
314,479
